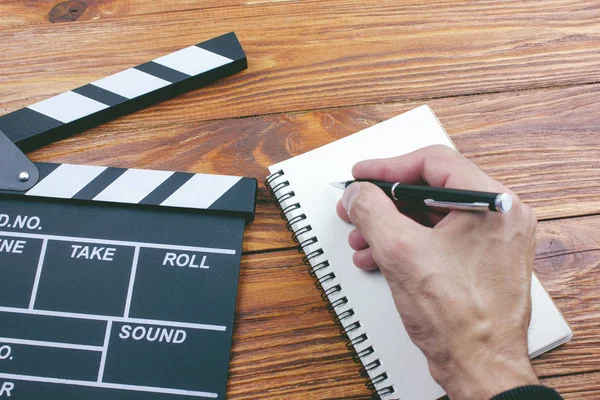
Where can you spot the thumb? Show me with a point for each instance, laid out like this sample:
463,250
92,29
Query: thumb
376,217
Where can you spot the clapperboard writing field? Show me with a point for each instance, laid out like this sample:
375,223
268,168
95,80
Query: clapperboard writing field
118,283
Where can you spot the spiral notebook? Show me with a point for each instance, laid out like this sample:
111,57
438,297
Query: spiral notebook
362,300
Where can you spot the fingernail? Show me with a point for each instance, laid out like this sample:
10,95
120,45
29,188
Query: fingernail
349,195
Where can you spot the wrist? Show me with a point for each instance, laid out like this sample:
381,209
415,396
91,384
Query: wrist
468,378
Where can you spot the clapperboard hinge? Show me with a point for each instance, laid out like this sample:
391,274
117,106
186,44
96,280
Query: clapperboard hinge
108,98
17,172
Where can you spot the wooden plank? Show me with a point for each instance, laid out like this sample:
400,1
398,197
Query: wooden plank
563,238
38,12
285,344
542,144
307,55
576,387
568,263
573,282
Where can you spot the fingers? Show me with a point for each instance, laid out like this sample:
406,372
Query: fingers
363,256
357,241
426,216
376,216
341,212
364,260
438,166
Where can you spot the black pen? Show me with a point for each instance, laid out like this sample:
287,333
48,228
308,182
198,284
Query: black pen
454,199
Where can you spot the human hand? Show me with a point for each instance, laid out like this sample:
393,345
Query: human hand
460,280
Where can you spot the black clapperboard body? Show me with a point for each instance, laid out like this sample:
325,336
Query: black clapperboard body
118,283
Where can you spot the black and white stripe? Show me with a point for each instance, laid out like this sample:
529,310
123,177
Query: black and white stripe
124,92
218,193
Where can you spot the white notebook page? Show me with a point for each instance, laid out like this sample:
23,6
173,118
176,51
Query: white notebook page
309,176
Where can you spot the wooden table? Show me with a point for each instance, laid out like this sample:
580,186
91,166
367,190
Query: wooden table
516,84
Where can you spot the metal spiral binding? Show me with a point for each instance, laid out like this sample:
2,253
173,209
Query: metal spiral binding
275,183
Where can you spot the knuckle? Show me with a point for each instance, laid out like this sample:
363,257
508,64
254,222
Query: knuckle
431,285
521,226
445,154
529,214
442,150
530,218
525,214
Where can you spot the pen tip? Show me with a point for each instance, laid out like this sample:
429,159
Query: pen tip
339,185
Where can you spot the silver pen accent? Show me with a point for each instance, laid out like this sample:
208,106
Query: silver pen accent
457,206
504,203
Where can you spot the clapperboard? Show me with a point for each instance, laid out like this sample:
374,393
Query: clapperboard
118,283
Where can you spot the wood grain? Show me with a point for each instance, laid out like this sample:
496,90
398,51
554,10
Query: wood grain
283,327
568,237
286,344
568,262
514,83
39,11
312,55
542,144
583,386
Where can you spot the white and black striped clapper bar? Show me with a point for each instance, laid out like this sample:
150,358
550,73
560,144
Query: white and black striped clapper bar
111,97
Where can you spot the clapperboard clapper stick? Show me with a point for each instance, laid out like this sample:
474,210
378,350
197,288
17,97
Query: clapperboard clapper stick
108,98
114,282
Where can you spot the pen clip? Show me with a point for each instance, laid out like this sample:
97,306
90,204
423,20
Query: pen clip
457,206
